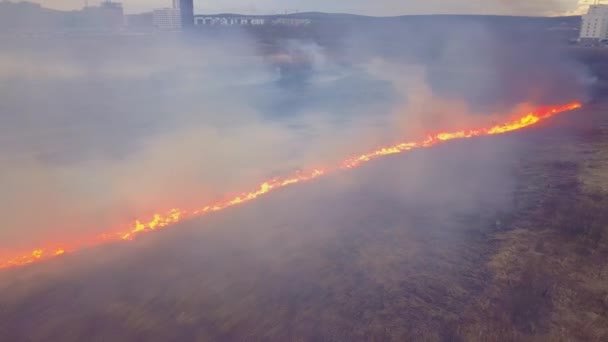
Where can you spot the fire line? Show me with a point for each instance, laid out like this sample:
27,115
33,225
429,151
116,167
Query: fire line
174,216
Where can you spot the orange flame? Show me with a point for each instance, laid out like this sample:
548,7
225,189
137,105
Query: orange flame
174,216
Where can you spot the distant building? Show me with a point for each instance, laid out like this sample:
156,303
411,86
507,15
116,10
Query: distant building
186,8
595,24
179,17
291,22
206,20
169,19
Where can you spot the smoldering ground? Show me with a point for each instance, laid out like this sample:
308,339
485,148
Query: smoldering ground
96,134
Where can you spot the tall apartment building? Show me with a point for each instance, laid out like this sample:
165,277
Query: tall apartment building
595,23
180,16
186,8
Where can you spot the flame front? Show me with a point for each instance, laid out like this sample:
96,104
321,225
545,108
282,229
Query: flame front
174,216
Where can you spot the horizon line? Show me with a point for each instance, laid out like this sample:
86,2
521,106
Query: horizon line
563,15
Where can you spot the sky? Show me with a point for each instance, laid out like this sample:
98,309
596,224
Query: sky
366,7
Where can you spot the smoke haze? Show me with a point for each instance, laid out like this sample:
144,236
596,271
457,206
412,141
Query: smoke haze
96,134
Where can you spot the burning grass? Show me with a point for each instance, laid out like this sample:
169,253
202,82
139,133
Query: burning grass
366,267
174,216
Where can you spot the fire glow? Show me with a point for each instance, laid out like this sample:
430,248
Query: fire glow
174,216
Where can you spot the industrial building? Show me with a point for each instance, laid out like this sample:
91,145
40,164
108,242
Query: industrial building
223,20
595,24
205,20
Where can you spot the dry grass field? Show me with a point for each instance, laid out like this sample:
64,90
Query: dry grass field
343,259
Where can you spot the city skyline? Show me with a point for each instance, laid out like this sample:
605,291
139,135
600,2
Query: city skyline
388,8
